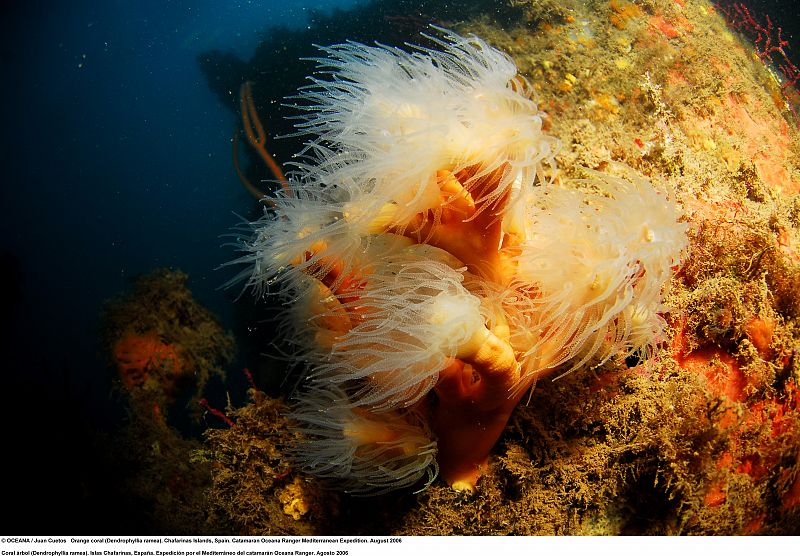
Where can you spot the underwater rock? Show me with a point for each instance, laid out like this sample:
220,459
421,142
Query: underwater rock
697,434
161,342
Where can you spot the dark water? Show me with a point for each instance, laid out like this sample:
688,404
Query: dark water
115,161
117,155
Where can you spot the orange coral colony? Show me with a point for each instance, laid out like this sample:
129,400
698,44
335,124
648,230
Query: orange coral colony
433,267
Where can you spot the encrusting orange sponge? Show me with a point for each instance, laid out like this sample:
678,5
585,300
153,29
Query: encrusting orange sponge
144,356
432,269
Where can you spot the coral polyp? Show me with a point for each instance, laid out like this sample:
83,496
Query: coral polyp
365,452
452,109
434,265
592,268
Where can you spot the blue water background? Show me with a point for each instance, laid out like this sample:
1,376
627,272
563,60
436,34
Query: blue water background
115,161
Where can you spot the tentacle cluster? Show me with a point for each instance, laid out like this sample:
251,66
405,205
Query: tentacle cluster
592,266
431,273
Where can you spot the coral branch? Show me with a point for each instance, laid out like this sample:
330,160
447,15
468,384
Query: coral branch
250,381
468,421
767,39
256,137
474,235
216,412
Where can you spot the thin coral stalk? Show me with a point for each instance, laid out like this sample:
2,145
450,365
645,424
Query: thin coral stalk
252,189
257,138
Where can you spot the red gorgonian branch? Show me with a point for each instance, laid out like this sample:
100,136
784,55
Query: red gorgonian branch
216,412
768,39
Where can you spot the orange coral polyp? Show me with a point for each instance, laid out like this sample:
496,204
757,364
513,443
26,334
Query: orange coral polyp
473,238
448,273
457,201
474,394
